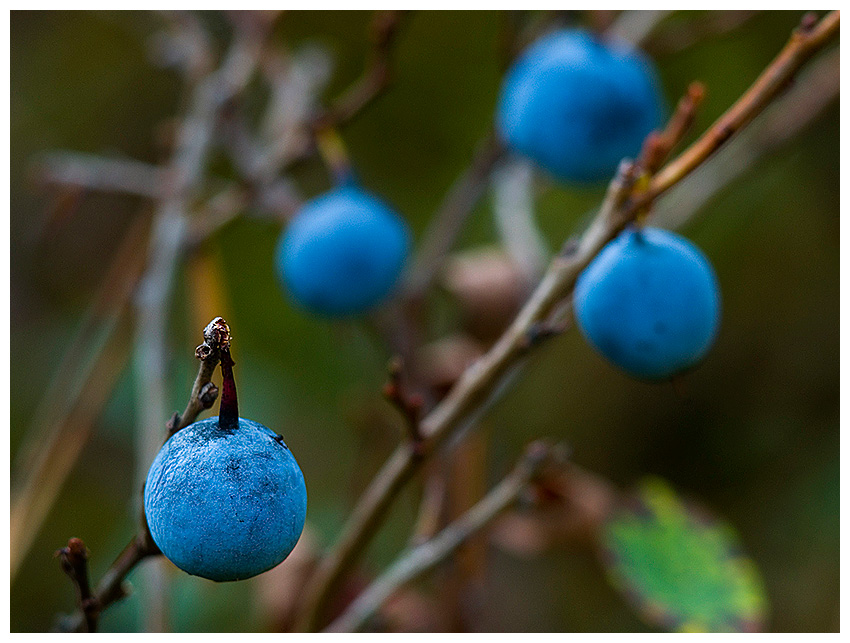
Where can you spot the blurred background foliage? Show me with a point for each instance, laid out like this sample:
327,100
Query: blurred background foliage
753,433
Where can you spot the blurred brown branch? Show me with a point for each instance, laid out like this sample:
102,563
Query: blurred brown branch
683,34
85,376
538,459
74,558
448,221
482,382
636,27
375,78
125,176
110,588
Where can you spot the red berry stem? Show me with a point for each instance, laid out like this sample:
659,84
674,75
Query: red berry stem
228,415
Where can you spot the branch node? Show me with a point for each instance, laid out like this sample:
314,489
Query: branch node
74,560
173,422
541,331
409,404
658,145
208,395
808,22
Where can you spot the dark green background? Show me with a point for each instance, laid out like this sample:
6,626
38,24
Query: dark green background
755,435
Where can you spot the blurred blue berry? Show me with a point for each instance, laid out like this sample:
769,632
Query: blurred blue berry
650,303
342,253
578,106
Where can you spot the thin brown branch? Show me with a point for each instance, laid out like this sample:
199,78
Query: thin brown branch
84,377
74,559
101,174
376,77
791,114
451,216
805,42
217,338
537,459
408,403
110,588
486,378
681,35
204,392
658,146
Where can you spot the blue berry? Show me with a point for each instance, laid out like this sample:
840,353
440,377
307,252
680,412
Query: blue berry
224,497
342,253
650,303
578,106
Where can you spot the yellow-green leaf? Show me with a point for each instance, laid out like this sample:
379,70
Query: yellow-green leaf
681,568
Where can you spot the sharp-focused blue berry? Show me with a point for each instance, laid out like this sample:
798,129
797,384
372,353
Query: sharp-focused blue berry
225,504
578,106
225,498
342,253
650,303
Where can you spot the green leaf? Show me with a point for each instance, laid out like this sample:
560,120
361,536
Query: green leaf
679,567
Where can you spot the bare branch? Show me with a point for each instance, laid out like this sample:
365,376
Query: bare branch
208,97
658,146
217,338
409,404
514,215
74,559
682,35
636,27
787,117
204,392
449,219
376,77
101,174
110,588
537,458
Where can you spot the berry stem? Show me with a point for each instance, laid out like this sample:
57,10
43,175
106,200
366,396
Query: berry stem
228,415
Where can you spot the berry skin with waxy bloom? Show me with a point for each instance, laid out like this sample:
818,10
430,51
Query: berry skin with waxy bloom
649,302
342,253
577,105
225,498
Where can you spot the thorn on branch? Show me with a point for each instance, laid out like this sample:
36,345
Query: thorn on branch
541,331
808,21
570,247
541,458
658,145
408,403
173,423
